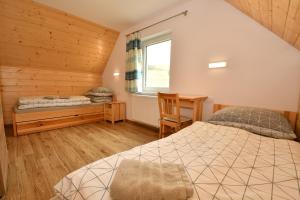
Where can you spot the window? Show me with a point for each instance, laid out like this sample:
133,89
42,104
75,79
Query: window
157,56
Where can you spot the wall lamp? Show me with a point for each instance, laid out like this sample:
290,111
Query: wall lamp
116,74
217,65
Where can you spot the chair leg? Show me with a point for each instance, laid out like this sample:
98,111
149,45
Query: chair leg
160,131
163,131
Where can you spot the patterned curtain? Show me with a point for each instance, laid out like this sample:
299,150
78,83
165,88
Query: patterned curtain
134,63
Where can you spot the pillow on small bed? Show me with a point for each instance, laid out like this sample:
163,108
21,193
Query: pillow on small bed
101,90
64,97
256,120
50,97
96,94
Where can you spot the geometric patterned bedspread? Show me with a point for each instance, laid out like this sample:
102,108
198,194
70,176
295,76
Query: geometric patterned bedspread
221,162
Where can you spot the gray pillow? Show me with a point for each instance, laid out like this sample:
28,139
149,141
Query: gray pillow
256,120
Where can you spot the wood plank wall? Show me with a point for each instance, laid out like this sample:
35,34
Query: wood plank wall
33,35
18,81
44,51
3,156
280,16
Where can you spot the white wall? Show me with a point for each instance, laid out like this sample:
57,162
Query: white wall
263,70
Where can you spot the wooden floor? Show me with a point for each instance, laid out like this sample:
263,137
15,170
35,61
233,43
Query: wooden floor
39,161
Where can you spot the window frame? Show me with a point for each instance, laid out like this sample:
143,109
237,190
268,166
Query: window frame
148,42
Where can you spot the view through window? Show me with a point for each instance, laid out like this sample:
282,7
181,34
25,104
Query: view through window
157,54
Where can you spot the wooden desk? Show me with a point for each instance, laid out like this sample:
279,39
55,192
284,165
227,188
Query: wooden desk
195,103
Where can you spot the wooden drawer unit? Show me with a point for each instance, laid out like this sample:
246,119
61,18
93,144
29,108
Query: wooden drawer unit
115,111
43,120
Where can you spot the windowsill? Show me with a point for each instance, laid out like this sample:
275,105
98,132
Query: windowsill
145,94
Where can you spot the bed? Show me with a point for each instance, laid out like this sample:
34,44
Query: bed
43,113
222,162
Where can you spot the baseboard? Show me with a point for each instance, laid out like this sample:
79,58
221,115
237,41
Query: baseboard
142,124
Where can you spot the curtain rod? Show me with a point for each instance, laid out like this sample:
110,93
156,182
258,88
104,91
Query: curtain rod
182,13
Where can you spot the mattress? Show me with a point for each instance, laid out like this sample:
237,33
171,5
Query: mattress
221,162
53,101
30,110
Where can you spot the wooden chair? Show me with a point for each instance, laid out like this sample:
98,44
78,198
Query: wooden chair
169,109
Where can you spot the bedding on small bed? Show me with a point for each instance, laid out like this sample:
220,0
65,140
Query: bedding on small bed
30,110
221,162
51,101
97,99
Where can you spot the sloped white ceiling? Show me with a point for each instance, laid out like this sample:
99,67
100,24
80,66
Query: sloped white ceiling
116,14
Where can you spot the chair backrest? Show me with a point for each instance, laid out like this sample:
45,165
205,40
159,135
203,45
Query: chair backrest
169,106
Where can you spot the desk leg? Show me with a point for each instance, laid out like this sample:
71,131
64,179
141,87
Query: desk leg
195,111
113,114
200,110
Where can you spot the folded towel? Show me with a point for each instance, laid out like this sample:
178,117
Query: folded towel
150,181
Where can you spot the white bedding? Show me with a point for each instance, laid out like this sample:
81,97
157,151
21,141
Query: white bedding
222,163
42,102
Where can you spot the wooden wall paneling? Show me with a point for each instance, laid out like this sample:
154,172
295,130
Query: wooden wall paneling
49,38
38,14
254,10
244,6
266,13
292,28
34,35
44,51
280,16
18,81
3,156
15,55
